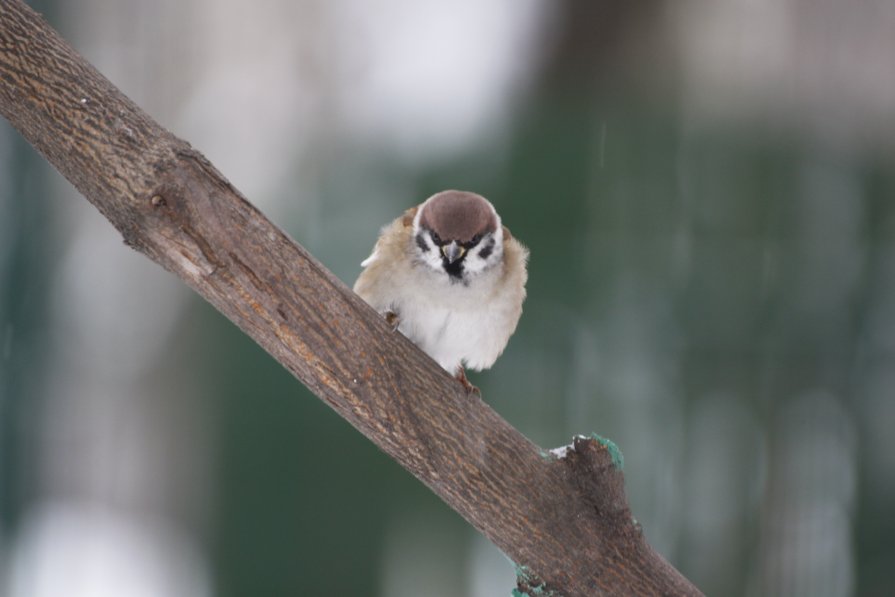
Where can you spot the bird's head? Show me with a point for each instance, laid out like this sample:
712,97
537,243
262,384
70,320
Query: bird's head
458,233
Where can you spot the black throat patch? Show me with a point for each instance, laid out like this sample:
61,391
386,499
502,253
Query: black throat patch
454,270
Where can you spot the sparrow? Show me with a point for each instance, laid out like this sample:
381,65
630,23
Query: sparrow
449,276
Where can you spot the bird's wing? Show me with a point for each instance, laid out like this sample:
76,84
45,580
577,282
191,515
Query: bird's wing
406,220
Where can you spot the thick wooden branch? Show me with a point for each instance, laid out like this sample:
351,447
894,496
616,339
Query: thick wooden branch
566,520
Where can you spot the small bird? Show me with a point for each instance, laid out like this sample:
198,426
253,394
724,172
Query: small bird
451,278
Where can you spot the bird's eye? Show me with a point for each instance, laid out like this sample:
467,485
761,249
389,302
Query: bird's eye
472,242
435,238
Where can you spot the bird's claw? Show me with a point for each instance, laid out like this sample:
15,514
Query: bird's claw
470,389
392,319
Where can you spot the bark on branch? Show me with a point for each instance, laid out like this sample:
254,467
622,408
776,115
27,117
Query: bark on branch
566,521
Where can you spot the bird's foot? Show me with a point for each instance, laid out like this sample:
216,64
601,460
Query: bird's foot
392,319
470,389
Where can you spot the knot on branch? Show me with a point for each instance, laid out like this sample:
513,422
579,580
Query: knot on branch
183,211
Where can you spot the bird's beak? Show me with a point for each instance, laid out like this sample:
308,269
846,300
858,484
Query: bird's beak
453,251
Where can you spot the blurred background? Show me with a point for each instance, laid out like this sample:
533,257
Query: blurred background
708,193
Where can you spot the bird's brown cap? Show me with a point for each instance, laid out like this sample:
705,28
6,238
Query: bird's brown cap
458,215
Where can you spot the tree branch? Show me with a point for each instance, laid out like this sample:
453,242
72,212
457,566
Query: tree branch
566,520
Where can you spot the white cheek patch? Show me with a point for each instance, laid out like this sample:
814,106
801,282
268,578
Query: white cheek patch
484,256
432,256
486,248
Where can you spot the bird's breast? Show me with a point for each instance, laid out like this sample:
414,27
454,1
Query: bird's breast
463,324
